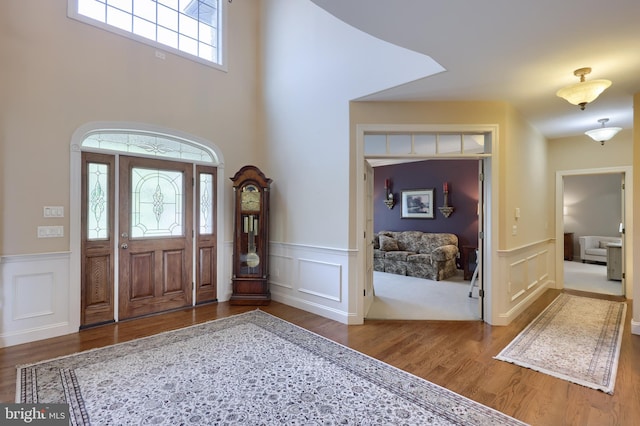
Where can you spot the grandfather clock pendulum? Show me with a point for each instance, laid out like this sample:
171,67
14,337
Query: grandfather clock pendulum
251,238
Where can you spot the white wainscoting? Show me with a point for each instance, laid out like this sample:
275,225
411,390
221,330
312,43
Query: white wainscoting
34,298
315,279
524,273
225,288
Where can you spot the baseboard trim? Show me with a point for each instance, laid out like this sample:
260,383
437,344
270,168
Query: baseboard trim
315,308
31,335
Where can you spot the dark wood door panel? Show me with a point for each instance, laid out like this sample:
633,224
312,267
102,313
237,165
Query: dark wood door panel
206,280
174,272
155,268
141,276
97,290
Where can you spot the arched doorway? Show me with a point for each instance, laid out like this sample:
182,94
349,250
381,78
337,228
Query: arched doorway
143,215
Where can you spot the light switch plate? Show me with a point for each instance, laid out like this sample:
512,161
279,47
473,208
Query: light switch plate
53,211
50,231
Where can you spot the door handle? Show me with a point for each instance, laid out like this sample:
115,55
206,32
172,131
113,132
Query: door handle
124,246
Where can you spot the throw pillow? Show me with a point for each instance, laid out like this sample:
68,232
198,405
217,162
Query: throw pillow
388,243
603,244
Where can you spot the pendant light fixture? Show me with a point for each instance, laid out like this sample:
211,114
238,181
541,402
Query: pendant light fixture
602,134
583,92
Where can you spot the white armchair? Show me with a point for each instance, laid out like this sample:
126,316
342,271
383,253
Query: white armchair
594,248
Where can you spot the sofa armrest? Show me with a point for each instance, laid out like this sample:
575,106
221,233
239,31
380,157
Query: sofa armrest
583,246
444,253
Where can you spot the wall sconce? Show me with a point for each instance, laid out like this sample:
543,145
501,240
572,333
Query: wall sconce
583,92
446,210
389,199
602,134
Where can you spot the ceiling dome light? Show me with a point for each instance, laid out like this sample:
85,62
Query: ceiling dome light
583,92
602,134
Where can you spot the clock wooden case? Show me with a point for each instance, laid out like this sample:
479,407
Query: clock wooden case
251,238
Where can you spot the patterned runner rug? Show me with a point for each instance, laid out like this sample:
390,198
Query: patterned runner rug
575,338
247,369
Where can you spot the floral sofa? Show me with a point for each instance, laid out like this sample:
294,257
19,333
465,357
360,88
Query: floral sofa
416,253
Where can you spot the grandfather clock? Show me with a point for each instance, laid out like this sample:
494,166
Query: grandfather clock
251,238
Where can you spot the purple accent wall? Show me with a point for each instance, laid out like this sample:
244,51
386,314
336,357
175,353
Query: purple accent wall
462,178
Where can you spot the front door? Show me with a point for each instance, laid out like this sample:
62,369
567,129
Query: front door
155,236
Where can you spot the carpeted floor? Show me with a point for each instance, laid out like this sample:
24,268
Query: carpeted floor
575,338
252,368
590,277
402,297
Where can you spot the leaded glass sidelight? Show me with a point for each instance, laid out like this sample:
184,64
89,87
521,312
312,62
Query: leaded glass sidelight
206,205
157,206
97,201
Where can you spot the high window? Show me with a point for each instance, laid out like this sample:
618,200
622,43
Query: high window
191,28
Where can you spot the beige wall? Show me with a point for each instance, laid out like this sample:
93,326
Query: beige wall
581,152
523,184
635,325
58,74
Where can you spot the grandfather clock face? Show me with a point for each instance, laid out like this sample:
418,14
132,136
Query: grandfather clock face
250,199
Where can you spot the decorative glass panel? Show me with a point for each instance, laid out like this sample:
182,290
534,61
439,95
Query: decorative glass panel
97,201
206,204
156,203
148,144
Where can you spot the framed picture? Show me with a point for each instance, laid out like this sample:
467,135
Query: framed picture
417,204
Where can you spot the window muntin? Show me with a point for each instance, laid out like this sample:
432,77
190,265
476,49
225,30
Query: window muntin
191,27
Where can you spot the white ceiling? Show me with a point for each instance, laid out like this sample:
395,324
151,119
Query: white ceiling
518,51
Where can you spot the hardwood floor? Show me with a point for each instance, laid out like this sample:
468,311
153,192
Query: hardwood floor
455,354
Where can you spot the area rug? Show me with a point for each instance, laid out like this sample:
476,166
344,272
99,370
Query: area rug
575,338
248,369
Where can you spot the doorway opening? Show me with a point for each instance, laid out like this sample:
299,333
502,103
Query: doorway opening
410,292
412,143
593,228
